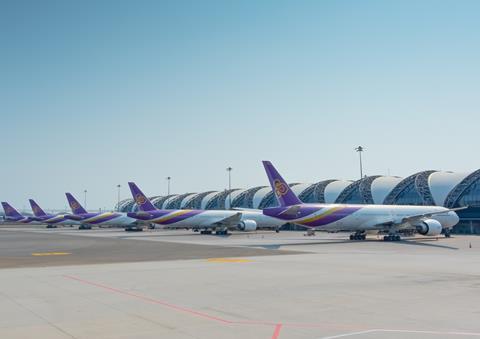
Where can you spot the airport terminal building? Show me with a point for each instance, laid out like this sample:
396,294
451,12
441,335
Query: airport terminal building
423,188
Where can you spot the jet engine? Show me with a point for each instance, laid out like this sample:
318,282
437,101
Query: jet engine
429,227
247,225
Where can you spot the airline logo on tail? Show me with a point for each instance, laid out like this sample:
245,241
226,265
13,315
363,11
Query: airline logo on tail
36,210
9,209
74,205
280,188
140,199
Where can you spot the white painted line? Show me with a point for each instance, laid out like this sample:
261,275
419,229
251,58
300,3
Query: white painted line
351,334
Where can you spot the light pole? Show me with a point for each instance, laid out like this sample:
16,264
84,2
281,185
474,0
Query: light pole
168,185
85,198
359,150
229,170
118,197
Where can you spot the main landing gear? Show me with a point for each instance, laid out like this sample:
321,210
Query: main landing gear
392,237
206,232
358,236
447,233
222,232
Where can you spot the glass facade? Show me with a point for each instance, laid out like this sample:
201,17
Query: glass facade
409,196
471,196
354,198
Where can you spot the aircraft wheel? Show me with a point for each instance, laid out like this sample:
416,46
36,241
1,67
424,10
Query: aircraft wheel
386,238
363,236
397,238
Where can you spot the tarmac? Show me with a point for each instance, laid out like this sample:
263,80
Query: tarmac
106,283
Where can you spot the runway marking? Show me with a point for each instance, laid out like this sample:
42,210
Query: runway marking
228,260
278,326
44,254
382,330
276,332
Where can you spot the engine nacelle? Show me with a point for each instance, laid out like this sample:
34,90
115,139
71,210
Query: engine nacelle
429,227
247,225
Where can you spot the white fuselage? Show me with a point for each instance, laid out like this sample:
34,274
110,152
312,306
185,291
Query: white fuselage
366,217
109,219
211,218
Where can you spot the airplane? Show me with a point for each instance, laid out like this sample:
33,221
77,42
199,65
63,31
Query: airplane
219,221
360,219
87,219
50,220
12,215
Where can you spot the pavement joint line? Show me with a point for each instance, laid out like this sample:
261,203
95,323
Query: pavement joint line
277,325
45,254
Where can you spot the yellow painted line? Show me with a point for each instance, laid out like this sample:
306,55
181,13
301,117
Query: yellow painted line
228,260
44,254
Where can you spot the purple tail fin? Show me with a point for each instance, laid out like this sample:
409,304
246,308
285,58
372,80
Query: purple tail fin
141,200
75,205
282,191
37,210
10,211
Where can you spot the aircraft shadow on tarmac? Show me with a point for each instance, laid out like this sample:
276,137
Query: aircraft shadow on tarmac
413,242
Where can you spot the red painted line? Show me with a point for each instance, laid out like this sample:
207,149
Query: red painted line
277,326
276,333
153,301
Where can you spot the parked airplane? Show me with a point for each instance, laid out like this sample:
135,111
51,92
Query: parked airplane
12,215
87,219
218,220
360,219
51,220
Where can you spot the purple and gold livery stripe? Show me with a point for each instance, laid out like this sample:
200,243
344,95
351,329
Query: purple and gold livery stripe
102,218
54,219
177,216
329,216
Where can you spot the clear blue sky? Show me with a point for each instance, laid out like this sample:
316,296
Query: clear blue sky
96,93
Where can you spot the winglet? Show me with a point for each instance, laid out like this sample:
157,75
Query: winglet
144,204
37,210
75,205
282,191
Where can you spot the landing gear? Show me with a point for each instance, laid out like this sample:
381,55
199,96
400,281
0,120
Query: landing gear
133,228
221,232
447,233
206,232
310,233
358,236
392,237
51,226
85,227
277,230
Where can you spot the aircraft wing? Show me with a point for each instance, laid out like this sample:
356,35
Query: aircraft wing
246,209
407,222
417,217
230,221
